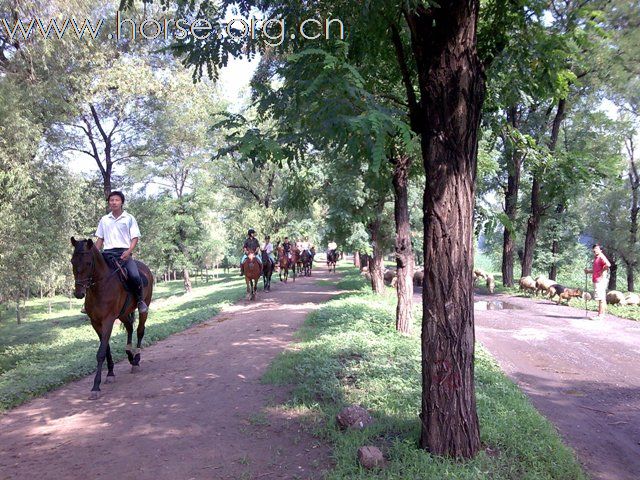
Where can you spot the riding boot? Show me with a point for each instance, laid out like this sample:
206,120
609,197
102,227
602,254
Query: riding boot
142,307
242,269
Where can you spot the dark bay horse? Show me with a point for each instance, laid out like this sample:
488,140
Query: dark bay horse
252,271
332,259
306,260
267,271
106,301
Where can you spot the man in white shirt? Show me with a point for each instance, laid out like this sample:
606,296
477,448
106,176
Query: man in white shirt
118,232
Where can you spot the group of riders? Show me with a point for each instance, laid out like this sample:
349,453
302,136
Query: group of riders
253,246
118,235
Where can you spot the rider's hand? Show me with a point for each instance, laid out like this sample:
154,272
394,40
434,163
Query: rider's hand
126,254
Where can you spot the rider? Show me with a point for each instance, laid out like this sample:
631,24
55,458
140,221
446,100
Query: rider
267,247
118,232
252,245
304,245
286,246
331,248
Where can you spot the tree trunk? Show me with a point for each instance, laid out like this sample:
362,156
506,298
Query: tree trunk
356,259
533,224
18,319
186,280
376,264
613,274
634,183
555,247
452,92
404,252
514,167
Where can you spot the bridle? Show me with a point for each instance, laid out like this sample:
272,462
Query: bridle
89,280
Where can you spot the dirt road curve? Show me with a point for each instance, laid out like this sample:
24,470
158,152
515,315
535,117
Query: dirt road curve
583,375
196,411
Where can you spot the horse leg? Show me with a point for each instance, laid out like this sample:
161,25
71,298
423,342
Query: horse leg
129,348
111,377
100,357
135,367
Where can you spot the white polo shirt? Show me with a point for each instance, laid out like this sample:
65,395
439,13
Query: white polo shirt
118,232
267,247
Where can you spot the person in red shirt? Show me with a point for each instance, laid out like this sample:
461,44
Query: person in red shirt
600,277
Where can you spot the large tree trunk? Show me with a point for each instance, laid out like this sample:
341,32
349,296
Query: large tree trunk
376,264
451,95
356,259
634,183
514,167
187,280
533,224
613,272
404,252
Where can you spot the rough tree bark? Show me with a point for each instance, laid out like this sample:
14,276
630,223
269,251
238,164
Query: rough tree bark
634,185
404,252
514,167
537,209
452,87
613,273
376,267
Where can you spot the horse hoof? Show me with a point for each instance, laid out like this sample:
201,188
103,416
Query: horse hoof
110,379
94,395
135,368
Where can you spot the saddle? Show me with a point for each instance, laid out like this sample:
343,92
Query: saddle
120,272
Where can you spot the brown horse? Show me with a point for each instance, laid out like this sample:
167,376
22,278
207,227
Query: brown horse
332,259
287,264
106,301
252,270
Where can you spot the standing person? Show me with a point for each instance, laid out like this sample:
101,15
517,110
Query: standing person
118,232
600,277
252,245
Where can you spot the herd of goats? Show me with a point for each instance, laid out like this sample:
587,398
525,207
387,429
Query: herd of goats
541,285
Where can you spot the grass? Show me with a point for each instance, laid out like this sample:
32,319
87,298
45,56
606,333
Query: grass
349,352
48,350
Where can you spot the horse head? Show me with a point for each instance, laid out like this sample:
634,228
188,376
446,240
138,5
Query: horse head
83,265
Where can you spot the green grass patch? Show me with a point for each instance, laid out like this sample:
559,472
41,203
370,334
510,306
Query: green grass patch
349,352
48,350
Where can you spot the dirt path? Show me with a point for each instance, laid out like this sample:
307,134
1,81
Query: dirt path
583,375
196,411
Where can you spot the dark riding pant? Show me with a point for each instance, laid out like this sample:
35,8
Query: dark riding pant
135,281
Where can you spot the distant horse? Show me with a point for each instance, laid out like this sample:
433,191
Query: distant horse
332,259
286,264
267,271
252,271
107,300
306,260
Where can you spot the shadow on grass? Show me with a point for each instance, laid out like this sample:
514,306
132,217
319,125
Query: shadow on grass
349,352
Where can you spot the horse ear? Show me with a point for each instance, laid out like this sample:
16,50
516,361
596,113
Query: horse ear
90,244
73,241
